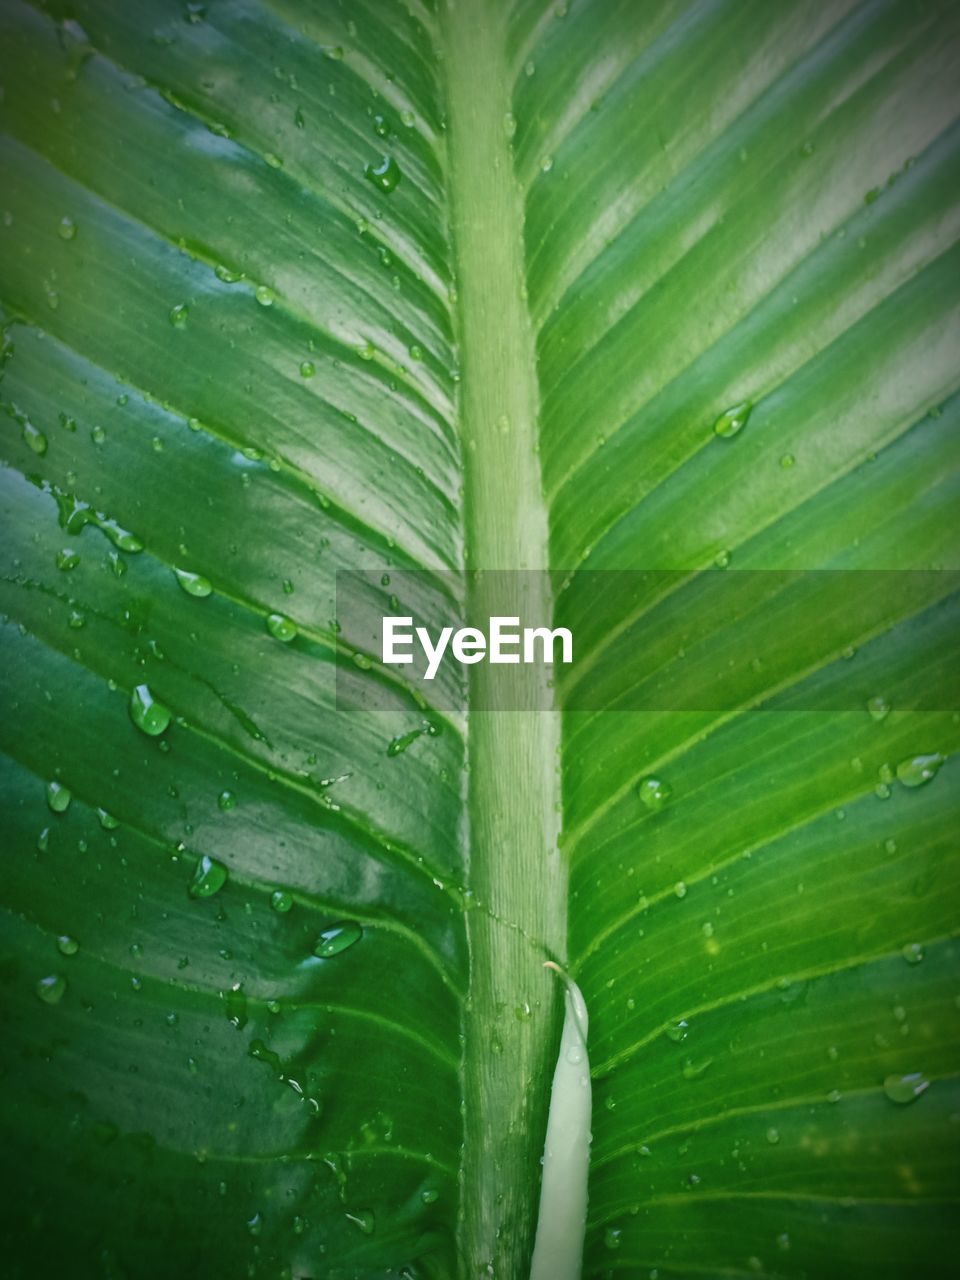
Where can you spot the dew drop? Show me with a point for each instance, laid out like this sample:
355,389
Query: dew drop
364,1219
773,1136
150,716
179,315
67,229
264,295
912,952
612,1237
337,939
58,797
107,820
281,901
878,707
905,1088
52,988
226,801
653,793
67,946
678,1031
732,421
385,175
281,627
917,770
67,559
307,369
209,877
194,584
34,439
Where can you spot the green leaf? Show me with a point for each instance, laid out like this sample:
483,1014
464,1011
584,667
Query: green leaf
633,296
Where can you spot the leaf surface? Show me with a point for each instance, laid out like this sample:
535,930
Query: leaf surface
581,290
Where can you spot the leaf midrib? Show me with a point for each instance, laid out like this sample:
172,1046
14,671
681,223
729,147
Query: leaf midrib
513,785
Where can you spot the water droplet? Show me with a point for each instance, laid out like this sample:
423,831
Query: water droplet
510,124
917,770
380,127
34,438
226,801
385,175
429,1195
43,840
732,421
209,877
680,889
67,229
179,315
264,295
255,1224
694,1070
611,1237
307,369
149,715
51,989
281,901
365,1220
905,1088
281,627
407,118
194,584
260,1051
878,707
400,743
912,952
678,1031
58,797
67,559
722,559
773,1136
107,820
783,1242
654,793
67,946
787,461
337,938
235,1005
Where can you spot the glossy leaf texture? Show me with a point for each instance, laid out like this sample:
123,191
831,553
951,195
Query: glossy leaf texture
257,949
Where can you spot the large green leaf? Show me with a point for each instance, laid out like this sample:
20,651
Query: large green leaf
295,287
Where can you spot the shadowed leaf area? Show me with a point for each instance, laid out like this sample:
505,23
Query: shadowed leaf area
289,287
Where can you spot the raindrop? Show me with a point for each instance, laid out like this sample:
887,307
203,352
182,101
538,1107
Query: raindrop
912,952
281,901
611,1237
34,438
678,1031
773,1136
51,989
107,820
209,877
732,421
264,295
226,801
281,627
194,584
67,946
917,770
67,559
905,1088
58,797
67,230
365,1220
653,793
179,315
149,715
878,707
337,938
385,175
307,369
